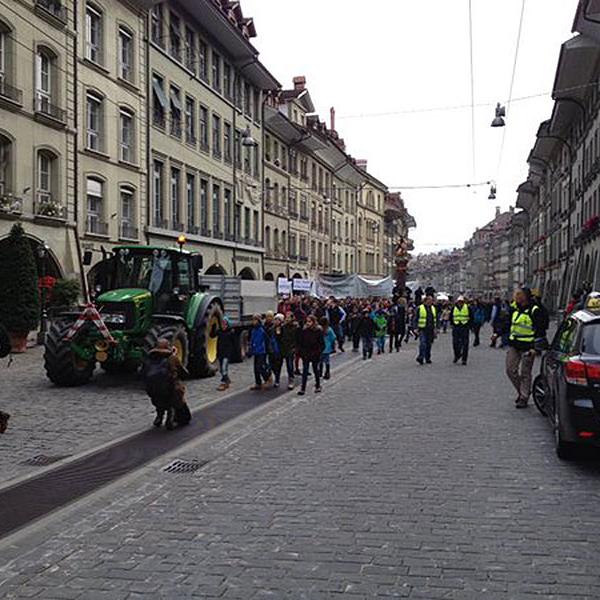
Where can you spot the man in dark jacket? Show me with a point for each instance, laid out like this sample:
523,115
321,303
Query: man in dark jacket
397,324
310,347
366,332
526,326
287,346
336,316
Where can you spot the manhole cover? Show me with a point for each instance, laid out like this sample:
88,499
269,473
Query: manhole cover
41,460
184,466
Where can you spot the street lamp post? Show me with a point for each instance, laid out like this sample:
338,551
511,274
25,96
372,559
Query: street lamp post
42,251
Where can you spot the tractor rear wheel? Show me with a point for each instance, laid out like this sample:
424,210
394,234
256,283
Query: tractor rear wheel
63,366
204,362
175,333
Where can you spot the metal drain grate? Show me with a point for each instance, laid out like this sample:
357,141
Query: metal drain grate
41,460
184,466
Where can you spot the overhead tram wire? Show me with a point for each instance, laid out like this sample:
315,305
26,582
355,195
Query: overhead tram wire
512,83
472,74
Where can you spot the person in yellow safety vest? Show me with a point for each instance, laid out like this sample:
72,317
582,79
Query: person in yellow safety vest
462,320
526,326
426,319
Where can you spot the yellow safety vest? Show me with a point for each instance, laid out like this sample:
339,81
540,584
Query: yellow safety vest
422,323
461,315
521,329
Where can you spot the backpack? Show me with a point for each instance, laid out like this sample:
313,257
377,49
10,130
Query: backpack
4,342
157,378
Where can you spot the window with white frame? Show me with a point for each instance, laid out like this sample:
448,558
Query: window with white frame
204,144
127,199
190,49
157,24
175,200
175,36
3,53
45,172
216,131
190,190
203,60
125,54
127,135
190,120
95,206
157,193
94,124
6,155
216,71
159,101
93,34
175,96
43,80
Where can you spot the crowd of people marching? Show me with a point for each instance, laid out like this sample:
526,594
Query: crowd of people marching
301,336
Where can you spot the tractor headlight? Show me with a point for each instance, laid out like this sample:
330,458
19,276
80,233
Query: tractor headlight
114,319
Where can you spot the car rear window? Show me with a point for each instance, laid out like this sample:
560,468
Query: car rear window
590,339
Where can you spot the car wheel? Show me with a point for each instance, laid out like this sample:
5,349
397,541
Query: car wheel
540,394
564,450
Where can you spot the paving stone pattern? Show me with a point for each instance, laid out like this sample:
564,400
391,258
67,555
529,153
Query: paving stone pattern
54,421
399,481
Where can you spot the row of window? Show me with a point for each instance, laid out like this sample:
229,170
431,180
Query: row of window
184,201
185,45
95,43
95,120
96,208
196,125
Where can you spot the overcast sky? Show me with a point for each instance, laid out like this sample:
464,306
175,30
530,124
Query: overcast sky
389,56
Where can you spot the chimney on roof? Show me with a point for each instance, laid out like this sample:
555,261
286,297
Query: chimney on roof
332,118
497,211
299,82
361,163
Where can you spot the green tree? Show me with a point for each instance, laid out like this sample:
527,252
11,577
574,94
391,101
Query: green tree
19,295
64,293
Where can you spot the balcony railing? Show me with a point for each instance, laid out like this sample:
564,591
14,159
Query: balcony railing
190,138
10,92
177,226
9,203
43,106
193,229
175,129
96,227
53,8
129,232
47,206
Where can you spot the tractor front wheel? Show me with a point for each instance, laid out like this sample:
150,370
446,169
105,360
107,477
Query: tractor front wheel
204,362
63,366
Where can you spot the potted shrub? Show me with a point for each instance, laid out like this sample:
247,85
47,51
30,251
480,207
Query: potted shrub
19,295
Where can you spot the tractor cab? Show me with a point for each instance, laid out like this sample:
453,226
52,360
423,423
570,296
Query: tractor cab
165,278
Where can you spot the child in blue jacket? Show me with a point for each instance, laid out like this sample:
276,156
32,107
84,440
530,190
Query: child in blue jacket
330,339
258,349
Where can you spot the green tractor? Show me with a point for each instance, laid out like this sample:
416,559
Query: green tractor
144,294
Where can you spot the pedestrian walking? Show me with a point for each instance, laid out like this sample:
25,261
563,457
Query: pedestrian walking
478,314
445,318
258,351
461,319
336,316
366,332
381,325
225,351
274,333
287,346
329,341
426,317
310,348
526,325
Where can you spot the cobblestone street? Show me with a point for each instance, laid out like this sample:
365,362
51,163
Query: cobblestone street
64,421
397,481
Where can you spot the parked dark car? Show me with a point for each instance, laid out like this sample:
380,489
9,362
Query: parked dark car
567,390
